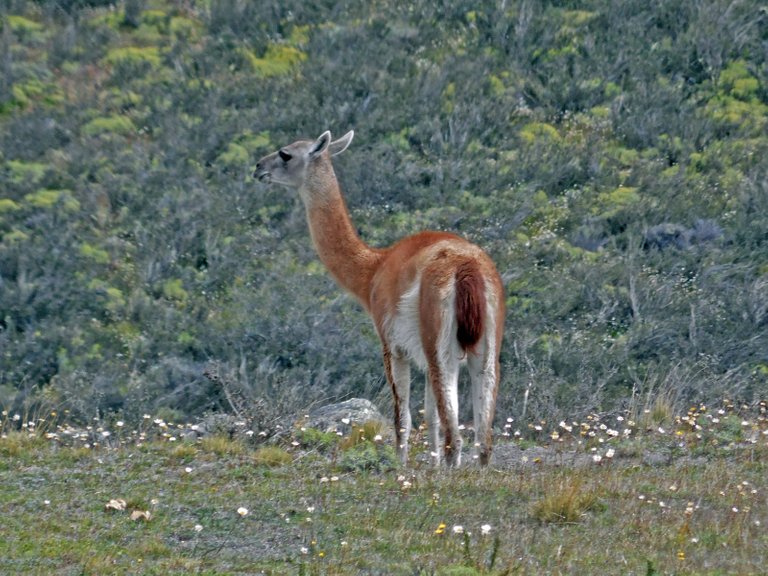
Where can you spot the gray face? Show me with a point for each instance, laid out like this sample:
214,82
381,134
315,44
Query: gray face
289,165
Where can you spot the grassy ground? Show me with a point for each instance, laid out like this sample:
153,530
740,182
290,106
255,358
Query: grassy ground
606,496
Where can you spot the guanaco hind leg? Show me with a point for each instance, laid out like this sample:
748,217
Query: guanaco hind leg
443,379
398,372
432,421
483,373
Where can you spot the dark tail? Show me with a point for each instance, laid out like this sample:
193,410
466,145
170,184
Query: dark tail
470,305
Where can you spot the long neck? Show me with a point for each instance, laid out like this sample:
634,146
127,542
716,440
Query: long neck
349,260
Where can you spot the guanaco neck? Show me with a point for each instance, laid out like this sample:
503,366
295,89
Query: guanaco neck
349,260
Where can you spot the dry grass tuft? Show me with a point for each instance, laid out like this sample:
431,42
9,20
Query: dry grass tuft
568,503
272,456
222,446
368,432
14,443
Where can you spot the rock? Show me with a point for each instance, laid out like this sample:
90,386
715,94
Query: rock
340,417
672,235
218,424
667,235
507,455
657,458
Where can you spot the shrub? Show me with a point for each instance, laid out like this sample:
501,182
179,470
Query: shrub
117,124
369,456
317,439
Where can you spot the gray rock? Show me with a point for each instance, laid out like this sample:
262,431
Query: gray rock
340,417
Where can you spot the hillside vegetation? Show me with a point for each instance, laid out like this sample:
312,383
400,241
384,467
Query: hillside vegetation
610,156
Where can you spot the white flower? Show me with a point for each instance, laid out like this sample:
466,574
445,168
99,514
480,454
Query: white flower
458,529
485,529
242,511
198,528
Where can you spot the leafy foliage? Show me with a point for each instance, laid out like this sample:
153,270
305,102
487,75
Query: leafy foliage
609,157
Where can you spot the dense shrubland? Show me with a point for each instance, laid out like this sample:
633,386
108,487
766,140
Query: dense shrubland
609,155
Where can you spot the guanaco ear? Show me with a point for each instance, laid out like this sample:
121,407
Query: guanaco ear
338,146
320,144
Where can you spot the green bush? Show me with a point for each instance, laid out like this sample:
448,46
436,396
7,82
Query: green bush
369,456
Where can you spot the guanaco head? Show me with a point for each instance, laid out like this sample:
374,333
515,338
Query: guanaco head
292,164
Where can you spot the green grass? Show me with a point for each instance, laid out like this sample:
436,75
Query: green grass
222,506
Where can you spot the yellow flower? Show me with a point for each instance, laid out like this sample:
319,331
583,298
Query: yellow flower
440,528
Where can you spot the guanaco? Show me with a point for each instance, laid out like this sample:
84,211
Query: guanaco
435,299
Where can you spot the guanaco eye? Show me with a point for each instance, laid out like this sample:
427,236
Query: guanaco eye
284,156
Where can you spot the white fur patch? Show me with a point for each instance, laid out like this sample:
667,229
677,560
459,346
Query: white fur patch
403,330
